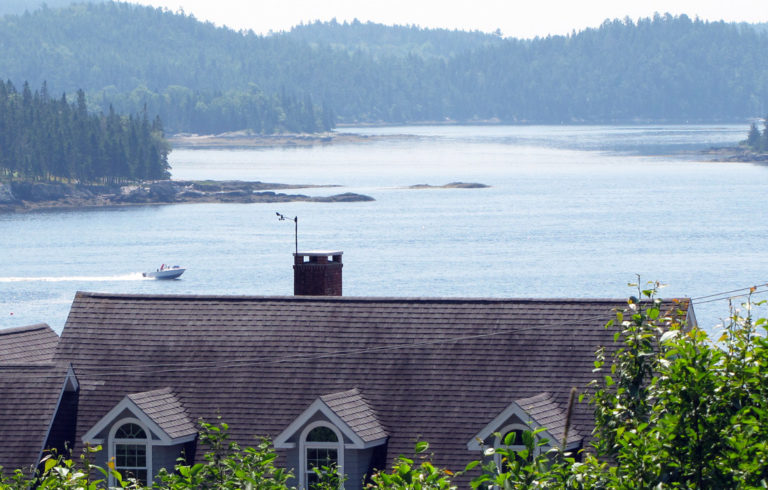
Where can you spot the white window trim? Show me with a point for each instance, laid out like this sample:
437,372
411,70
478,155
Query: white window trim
303,445
113,442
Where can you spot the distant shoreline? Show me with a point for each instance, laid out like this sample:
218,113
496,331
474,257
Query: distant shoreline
247,139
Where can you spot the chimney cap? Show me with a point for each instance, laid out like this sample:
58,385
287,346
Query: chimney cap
318,253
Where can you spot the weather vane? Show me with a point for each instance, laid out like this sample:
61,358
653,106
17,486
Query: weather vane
295,219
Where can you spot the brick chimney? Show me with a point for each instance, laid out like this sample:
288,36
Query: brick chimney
317,273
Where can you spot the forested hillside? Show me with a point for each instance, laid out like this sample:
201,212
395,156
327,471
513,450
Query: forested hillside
379,40
21,6
201,78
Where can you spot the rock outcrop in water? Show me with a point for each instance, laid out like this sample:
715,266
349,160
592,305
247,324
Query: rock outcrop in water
24,196
452,185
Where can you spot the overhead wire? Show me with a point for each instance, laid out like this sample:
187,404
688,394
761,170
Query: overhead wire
153,368
729,295
166,367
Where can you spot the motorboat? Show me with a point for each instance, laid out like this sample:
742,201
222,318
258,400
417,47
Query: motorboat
165,272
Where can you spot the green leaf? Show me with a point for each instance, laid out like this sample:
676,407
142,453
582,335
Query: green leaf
50,463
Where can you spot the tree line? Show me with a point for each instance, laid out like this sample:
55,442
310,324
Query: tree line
44,138
758,141
204,78
205,112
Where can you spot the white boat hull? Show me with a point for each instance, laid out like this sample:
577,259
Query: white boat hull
172,273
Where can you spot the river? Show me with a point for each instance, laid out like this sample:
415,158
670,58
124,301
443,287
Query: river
571,211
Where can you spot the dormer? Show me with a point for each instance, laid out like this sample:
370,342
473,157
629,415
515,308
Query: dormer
143,433
527,414
339,429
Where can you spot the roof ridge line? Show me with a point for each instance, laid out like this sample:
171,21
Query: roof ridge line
26,328
347,299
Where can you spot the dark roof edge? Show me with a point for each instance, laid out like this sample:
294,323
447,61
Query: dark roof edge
364,299
28,328
69,378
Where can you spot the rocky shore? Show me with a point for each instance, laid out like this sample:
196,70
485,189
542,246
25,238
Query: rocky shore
736,154
27,196
247,139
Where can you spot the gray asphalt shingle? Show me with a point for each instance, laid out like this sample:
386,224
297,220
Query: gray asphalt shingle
435,369
29,397
30,344
166,411
355,411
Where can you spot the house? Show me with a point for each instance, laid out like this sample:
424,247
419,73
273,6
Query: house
357,381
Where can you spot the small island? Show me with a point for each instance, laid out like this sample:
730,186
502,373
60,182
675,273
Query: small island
754,149
20,196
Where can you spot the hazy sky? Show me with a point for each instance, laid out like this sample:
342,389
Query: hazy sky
515,18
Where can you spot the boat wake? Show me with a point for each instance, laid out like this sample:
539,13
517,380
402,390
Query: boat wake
134,276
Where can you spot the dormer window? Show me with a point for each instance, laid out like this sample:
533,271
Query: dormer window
334,427
514,434
322,447
128,447
140,426
517,440
540,412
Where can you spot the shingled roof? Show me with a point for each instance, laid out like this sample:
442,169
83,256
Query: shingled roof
165,410
438,369
29,398
353,410
31,344
545,411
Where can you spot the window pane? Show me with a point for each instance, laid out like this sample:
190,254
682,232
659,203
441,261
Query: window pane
121,455
322,434
516,440
131,461
312,479
140,475
141,457
130,431
318,457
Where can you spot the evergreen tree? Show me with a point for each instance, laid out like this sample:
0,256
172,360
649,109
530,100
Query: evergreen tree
49,139
764,139
753,138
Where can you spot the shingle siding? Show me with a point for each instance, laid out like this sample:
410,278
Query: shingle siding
356,466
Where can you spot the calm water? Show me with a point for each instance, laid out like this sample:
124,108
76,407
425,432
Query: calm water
572,212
